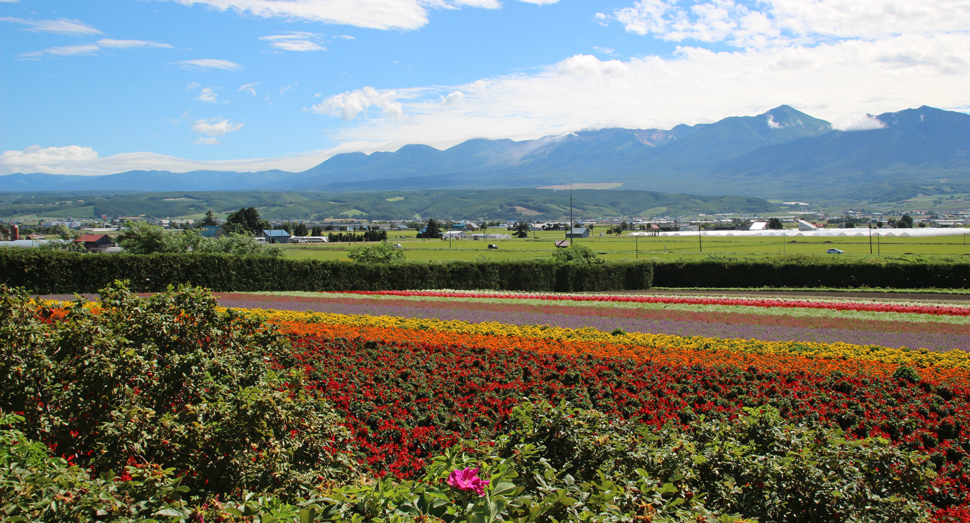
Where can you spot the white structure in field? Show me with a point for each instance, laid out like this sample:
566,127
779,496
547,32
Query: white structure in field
820,233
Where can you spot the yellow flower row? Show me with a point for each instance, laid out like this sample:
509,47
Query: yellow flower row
915,358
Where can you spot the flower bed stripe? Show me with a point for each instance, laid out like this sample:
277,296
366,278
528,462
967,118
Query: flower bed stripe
767,327
746,302
951,367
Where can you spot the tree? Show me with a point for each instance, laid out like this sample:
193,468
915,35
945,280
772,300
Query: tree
316,231
577,254
245,220
209,220
145,238
906,222
484,226
300,230
775,223
521,230
380,253
431,230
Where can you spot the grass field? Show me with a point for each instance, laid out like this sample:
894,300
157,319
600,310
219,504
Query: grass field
542,244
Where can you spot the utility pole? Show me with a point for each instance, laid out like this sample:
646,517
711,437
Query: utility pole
700,244
870,236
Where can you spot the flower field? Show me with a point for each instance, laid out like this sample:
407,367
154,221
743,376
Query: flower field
416,372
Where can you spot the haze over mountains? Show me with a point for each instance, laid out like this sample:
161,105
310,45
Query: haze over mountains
782,153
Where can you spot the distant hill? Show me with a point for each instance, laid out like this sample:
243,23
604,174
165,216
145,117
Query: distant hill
782,153
494,204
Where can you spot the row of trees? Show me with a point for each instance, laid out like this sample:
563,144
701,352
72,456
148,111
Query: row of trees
145,238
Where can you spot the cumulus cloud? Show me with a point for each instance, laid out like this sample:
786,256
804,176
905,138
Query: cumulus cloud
207,64
295,41
588,65
214,127
786,22
61,26
207,95
370,14
830,80
453,98
87,162
349,105
859,122
46,160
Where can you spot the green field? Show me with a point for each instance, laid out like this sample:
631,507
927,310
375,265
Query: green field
541,245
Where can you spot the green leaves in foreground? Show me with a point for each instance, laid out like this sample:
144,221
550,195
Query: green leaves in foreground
166,381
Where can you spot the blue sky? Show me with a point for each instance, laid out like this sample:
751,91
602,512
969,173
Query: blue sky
102,86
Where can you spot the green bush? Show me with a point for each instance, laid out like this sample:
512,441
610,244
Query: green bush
62,272
169,381
811,271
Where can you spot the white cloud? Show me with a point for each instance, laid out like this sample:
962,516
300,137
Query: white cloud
215,127
295,41
786,22
453,98
604,50
69,50
370,14
207,95
207,141
248,87
108,43
830,80
588,65
484,4
349,105
38,159
286,88
93,48
60,26
858,122
85,161
192,86
208,63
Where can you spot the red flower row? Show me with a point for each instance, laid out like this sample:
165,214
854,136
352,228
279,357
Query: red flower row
745,302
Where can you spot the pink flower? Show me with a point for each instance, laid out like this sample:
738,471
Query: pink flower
467,480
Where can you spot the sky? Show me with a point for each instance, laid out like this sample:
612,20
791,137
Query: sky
104,86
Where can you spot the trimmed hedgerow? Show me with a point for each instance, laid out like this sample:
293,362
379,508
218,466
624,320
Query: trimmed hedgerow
63,272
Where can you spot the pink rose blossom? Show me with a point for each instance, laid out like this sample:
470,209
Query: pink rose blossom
467,480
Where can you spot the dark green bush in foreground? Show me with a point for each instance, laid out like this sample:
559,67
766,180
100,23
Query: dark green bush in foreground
170,381
557,464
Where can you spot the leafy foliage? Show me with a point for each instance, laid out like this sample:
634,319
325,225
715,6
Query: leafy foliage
145,238
382,252
576,253
56,272
170,381
246,220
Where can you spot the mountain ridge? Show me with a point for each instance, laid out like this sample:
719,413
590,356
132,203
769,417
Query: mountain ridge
782,152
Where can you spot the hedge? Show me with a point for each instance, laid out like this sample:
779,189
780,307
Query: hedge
812,271
53,272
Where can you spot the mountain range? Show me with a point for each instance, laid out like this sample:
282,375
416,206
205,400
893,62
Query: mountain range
782,153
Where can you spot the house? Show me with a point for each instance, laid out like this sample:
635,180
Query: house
275,236
96,242
578,232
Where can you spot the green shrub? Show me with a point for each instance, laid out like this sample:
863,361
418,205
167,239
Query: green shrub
169,381
62,272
